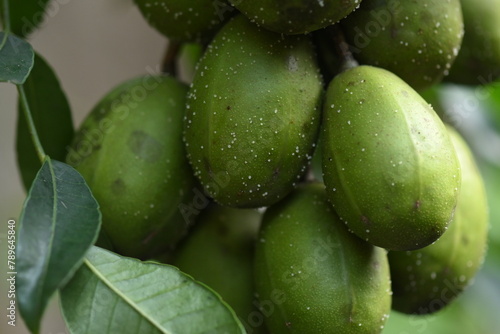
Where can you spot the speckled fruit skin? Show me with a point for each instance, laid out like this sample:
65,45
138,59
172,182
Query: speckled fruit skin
219,252
416,40
313,276
426,280
253,114
185,20
295,16
478,62
391,171
130,151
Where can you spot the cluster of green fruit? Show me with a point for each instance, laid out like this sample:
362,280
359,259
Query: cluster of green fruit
246,129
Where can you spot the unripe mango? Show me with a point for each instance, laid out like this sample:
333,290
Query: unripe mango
219,252
426,280
313,276
478,62
391,171
416,40
185,20
295,16
130,151
253,114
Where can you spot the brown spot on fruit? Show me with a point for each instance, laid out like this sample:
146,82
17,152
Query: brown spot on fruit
144,146
118,187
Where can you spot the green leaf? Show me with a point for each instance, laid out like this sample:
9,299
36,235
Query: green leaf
494,103
112,294
59,222
26,15
16,59
52,117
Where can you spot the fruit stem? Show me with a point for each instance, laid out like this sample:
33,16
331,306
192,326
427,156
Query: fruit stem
170,60
342,48
31,124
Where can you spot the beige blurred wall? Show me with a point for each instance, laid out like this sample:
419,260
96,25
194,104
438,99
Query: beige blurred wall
92,45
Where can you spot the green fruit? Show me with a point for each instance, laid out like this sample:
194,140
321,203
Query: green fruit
416,40
313,276
189,55
185,20
295,16
219,252
426,280
479,59
253,114
130,152
391,171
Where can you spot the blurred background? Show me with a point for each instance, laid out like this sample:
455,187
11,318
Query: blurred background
94,45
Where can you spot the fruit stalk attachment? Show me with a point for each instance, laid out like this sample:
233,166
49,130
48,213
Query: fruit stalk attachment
169,65
347,60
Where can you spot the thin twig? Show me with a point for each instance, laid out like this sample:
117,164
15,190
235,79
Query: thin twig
170,60
31,124
342,48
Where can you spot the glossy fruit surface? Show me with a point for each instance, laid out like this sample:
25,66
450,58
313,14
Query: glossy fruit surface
416,40
426,280
253,114
130,151
313,276
295,16
391,171
185,20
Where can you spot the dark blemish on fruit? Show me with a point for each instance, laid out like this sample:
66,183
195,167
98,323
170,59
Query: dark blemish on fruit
228,108
118,187
366,221
418,204
144,146
150,237
208,166
276,172
394,32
